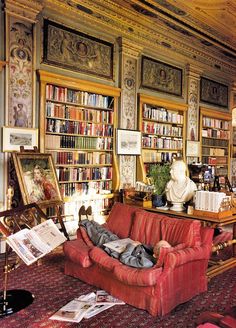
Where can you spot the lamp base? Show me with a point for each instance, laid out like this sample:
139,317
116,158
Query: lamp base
16,300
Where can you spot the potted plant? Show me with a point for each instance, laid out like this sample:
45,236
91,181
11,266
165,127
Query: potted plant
160,175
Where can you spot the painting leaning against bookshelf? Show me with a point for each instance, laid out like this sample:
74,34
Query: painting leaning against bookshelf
77,124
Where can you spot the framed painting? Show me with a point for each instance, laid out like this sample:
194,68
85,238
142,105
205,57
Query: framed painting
213,93
77,51
14,138
128,142
162,77
37,178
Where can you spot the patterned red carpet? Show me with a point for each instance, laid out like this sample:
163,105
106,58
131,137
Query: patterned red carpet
52,289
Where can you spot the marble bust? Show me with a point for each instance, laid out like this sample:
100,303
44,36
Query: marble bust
180,188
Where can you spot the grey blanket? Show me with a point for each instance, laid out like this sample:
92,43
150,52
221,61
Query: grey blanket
140,256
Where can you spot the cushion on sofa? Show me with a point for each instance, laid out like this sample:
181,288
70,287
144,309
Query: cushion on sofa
120,219
101,258
146,227
165,250
177,231
78,252
85,237
137,277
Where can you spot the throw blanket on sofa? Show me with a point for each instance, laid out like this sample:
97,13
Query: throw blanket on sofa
135,256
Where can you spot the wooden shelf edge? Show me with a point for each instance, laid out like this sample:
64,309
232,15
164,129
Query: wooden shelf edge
2,64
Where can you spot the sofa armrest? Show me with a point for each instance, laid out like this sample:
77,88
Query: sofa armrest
177,258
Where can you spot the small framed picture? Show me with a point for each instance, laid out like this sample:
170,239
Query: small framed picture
15,137
192,148
128,142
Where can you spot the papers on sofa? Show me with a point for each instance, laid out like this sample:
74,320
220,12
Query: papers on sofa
119,245
32,244
102,297
85,307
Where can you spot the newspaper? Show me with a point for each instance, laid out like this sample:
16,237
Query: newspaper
119,245
32,244
102,297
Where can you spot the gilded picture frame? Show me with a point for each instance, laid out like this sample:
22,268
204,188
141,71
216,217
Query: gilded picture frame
159,76
37,178
14,138
77,51
214,93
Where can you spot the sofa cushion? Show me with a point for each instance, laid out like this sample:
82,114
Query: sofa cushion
85,237
165,250
104,260
120,219
78,252
177,231
137,277
146,227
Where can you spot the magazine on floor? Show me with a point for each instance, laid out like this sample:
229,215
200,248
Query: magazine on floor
119,245
32,244
102,297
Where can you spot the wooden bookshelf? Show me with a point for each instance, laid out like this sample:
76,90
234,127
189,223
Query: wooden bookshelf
163,125
77,126
215,136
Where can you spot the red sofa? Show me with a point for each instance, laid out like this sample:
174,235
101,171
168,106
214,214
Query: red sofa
179,274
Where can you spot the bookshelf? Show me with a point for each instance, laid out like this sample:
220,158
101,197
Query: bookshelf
215,130
162,123
77,126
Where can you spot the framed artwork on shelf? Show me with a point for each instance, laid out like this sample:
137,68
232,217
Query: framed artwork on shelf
73,50
37,178
15,137
214,93
192,148
159,76
128,142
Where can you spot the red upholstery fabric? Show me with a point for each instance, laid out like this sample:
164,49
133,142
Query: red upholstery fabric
103,259
165,250
177,231
146,227
77,252
85,237
137,277
120,219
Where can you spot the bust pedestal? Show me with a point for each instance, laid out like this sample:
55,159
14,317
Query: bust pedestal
177,206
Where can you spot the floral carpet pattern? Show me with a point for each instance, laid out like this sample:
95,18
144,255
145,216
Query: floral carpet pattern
52,289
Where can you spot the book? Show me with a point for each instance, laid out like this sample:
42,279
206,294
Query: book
119,245
97,309
32,244
102,297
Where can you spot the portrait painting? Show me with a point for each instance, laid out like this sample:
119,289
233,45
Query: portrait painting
77,51
37,178
162,77
213,93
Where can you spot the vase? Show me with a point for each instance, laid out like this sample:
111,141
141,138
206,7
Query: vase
158,200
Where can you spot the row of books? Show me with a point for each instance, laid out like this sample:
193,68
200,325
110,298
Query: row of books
217,160
209,200
215,123
83,128
84,173
158,157
214,151
160,143
213,133
85,188
163,129
57,142
162,114
80,114
78,97
90,158
215,142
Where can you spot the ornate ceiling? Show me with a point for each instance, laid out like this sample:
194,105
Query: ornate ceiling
204,30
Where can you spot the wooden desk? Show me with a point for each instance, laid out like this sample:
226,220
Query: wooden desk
219,266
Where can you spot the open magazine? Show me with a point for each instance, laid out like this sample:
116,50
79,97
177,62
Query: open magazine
32,244
102,297
85,306
119,245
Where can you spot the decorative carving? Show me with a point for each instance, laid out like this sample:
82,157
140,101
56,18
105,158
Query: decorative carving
20,101
76,51
160,76
24,9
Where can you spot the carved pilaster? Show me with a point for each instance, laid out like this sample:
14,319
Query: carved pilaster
193,78
129,53
25,9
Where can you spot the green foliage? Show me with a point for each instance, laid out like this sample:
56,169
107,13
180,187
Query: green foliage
160,175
